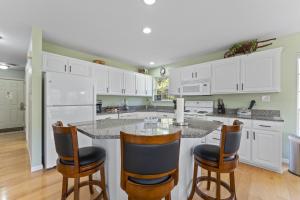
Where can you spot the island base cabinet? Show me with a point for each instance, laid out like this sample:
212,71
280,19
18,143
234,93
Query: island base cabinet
266,146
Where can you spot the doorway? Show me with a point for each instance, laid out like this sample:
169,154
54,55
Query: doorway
12,105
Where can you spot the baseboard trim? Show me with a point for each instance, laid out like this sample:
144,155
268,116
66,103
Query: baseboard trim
285,161
36,168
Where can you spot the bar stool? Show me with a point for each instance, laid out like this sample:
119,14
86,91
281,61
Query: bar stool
74,162
149,165
223,159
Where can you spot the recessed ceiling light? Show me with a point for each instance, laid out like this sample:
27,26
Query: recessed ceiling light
151,63
147,30
149,2
3,67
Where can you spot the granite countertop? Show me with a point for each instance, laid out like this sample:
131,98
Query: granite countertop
110,128
252,117
141,109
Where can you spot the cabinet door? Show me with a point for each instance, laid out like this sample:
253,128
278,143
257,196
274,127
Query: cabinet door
140,84
78,67
225,76
149,86
245,146
175,82
203,71
266,149
116,82
54,63
187,75
101,79
129,83
260,72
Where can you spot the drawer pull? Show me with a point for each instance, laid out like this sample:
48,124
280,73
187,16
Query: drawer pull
247,134
253,135
265,126
216,139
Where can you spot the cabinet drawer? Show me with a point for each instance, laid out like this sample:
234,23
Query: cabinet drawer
247,122
267,125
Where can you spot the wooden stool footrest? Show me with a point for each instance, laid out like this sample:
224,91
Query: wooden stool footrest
205,196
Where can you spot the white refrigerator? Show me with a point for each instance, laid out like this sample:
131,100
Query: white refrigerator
67,98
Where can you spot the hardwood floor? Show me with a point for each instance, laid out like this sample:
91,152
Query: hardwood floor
18,183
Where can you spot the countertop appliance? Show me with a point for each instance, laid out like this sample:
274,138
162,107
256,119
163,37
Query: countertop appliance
99,107
68,98
198,109
246,111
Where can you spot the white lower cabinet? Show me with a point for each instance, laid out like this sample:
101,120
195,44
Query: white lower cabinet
266,149
261,142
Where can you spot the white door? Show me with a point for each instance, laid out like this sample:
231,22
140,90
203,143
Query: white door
11,104
266,148
78,67
175,82
149,86
66,114
140,84
258,72
225,76
245,146
55,63
129,83
101,79
116,81
67,89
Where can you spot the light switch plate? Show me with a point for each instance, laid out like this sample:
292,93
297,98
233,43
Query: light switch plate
266,99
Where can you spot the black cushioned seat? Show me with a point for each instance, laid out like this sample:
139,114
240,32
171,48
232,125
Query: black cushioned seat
149,181
209,152
88,155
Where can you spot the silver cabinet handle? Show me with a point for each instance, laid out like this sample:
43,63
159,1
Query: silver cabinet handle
253,135
237,87
135,91
178,90
242,86
65,68
247,134
192,74
216,139
196,74
70,68
265,126
107,89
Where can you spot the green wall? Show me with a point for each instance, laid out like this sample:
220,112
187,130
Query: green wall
36,98
107,100
285,101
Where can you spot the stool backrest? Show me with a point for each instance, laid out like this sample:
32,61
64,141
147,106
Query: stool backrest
149,157
230,139
66,142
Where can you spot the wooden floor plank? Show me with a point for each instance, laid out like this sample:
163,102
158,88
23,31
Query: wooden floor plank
18,183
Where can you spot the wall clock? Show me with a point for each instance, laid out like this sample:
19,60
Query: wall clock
163,71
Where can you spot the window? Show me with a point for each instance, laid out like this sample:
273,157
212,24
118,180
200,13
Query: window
161,92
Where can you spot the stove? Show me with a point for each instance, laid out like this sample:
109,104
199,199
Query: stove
198,109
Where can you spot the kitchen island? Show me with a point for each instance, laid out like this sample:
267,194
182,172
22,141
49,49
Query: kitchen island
106,134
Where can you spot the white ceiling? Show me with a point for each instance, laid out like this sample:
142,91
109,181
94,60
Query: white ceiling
180,29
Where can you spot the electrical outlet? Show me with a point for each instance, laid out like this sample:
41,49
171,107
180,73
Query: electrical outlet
266,99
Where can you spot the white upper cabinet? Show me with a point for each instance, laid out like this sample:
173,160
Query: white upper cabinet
79,67
62,64
140,84
195,73
115,81
100,74
129,83
149,85
225,76
260,71
175,82
54,63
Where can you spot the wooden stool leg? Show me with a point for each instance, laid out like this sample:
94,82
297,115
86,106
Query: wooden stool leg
208,182
168,197
90,184
102,183
232,183
218,190
194,185
64,188
76,188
